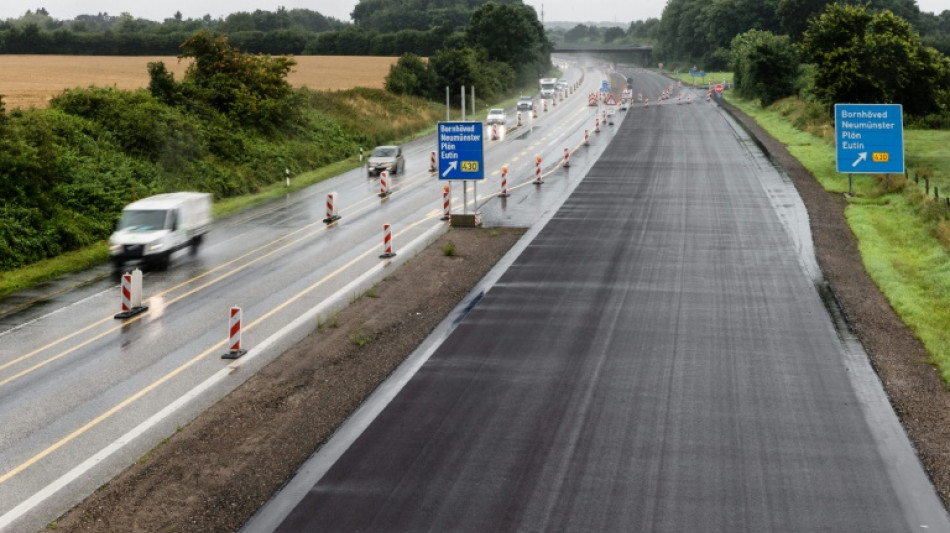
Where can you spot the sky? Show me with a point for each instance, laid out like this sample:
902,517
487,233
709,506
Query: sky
554,10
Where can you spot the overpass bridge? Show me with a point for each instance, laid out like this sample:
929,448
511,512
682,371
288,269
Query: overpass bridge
636,54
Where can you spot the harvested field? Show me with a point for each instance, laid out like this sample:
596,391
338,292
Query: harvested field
31,80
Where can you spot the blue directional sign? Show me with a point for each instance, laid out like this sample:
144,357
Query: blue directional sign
869,138
461,152
604,86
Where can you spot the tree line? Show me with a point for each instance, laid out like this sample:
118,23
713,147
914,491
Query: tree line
878,51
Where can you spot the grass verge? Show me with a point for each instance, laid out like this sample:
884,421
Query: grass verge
901,230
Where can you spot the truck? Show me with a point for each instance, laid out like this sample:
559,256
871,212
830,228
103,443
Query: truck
151,229
548,87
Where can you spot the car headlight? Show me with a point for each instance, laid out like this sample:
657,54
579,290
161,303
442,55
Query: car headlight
115,248
155,246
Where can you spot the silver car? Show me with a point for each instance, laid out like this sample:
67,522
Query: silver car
388,158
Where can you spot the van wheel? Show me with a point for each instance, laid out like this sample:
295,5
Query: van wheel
195,244
161,262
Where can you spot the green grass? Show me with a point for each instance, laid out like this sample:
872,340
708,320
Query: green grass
901,232
711,77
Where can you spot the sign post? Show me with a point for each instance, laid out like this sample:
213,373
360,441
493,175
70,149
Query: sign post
869,139
461,152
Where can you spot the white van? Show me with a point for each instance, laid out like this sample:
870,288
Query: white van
151,229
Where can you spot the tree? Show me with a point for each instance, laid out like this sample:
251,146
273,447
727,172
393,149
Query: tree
250,87
765,66
508,33
861,57
613,33
410,75
794,15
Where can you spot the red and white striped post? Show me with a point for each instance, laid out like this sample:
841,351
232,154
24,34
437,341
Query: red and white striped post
545,102
596,125
432,167
446,203
234,334
504,182
384,184
567,158
387,242
332,215
534,110
586,137
537,171
605,116
494,132
519,119
130,290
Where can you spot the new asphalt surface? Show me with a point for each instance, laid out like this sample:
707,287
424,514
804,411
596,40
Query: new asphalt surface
657,359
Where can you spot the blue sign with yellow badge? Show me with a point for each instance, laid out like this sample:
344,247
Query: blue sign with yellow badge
461,152
869,138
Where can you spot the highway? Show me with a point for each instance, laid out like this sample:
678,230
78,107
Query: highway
657,358
83,395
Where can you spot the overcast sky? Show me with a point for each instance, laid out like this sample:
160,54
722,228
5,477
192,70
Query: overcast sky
622,12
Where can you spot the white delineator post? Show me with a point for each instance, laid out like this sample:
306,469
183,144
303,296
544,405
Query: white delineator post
446,203
387,242
504,182
383,184
130,290
332,215
234,334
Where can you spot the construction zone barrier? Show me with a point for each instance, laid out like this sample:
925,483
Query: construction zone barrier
534,110
537,171
446,203
586,137
504,182
432,167
596,125
384,184
567,158
387,242
332,215
519,119
130,289
545,105
234,334
494,132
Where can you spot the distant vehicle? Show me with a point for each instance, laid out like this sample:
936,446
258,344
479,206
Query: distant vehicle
548,87
525,103
561,84
388,158
497,116
151,229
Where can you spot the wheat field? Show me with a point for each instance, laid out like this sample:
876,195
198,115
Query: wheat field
31,80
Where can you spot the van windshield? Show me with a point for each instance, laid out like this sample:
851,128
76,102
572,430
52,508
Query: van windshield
136,220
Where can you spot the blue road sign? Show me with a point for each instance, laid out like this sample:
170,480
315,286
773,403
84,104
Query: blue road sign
869,138
461,152
604,86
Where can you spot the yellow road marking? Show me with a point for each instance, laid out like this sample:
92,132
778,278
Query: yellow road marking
216,347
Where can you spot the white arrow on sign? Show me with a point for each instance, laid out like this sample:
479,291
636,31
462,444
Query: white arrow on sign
862,156
453,165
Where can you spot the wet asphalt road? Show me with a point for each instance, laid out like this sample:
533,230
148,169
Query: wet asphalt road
83,395
657,359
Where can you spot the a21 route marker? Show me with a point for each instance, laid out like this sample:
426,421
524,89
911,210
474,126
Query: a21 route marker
869,139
